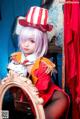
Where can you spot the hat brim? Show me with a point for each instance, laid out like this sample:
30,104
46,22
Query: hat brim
43,28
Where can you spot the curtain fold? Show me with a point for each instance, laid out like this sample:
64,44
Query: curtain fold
72,51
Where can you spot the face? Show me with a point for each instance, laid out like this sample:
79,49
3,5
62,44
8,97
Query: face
28,46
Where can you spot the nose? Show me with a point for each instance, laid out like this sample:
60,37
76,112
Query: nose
26,43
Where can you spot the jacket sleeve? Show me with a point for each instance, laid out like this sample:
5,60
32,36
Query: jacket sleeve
44,79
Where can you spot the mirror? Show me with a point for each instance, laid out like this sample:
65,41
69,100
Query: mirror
19,97
17,107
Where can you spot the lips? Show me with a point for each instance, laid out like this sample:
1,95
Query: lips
25,49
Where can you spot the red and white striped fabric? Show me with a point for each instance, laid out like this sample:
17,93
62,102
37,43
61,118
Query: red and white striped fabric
36,17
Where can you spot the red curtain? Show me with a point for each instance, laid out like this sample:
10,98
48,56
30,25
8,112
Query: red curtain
72,51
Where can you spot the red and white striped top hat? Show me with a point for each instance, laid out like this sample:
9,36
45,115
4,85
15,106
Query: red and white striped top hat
37,17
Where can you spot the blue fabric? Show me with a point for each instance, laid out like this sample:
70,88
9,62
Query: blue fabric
59,68
57,77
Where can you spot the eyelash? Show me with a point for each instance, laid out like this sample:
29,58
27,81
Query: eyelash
32,41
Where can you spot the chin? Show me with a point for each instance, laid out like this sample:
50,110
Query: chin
27,53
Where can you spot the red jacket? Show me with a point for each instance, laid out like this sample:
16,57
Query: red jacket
40,78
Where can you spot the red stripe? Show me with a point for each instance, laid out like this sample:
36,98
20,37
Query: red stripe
32,15
46,16
39,17
26,61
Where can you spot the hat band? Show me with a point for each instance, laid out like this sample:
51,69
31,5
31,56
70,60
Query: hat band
41,27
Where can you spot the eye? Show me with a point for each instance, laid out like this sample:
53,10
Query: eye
32,41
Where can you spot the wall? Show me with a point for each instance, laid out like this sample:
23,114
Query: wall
10,9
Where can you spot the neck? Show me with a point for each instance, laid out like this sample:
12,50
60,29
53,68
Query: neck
30,58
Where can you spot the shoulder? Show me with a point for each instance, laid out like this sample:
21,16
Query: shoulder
16,56
42,64
46,65
47,62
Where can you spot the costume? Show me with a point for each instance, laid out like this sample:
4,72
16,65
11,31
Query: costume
33,44
39,75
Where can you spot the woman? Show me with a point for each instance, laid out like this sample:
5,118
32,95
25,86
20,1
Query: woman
33,44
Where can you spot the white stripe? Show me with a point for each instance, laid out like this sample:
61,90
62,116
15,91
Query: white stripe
43,17
36,14
47,17
30,14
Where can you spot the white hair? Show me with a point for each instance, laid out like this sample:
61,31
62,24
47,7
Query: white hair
40,38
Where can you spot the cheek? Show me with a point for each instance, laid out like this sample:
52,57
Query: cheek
34,46
22,46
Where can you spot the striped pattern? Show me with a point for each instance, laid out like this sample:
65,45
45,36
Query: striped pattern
37,15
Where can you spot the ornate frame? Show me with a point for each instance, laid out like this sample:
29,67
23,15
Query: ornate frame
26,85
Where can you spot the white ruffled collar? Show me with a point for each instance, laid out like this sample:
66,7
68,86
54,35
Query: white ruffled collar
30,58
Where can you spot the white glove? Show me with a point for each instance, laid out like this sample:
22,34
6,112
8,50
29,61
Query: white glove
18,68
